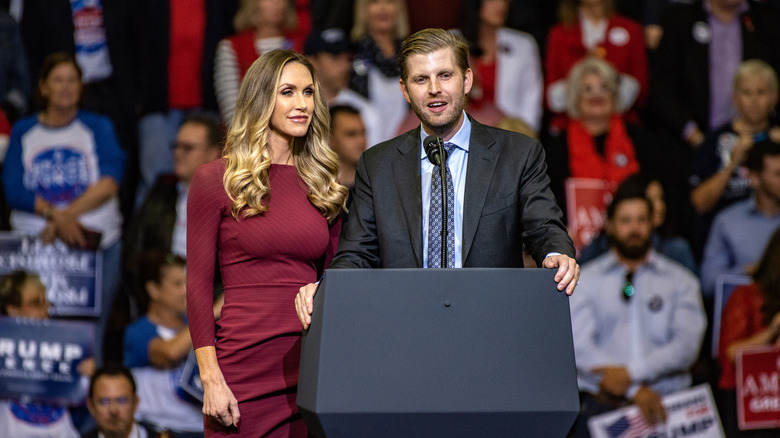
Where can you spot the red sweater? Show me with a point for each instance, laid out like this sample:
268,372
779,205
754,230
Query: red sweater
742,318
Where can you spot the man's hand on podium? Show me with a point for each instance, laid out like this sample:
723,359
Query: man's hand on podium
304,303
568,271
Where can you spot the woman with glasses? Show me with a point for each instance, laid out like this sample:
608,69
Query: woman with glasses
596,143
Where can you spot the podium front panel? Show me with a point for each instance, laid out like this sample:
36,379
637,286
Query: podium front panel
439,352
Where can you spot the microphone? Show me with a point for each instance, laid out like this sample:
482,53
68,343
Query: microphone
433,149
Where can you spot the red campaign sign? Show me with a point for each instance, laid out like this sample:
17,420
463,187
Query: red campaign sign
586,204
758,388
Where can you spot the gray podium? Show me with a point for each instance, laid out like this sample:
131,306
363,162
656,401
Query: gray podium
438,353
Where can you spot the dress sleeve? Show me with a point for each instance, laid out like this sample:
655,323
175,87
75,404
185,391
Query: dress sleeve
205,209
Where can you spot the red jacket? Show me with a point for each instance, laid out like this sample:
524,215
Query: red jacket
624,48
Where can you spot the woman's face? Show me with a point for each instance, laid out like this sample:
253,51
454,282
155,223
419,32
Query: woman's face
269,12
294,106
62,88
754,99
596,100
381,15
33,303
655,193
493,12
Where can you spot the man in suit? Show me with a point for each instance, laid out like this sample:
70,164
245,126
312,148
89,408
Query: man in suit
501,196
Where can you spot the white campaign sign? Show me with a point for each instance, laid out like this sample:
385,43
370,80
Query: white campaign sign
689,413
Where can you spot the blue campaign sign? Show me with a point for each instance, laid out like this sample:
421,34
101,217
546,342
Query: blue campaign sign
71,276
190,377
39,359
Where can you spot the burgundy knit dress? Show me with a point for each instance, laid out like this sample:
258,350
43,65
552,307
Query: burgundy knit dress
264,260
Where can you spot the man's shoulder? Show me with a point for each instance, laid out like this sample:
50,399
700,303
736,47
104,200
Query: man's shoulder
734,212
382,150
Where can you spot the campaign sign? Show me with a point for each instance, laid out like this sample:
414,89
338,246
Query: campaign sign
586,204
190,378
689,413
724,287
758,388
39,359
71,276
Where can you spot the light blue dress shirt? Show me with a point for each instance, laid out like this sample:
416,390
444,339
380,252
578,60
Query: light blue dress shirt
457,164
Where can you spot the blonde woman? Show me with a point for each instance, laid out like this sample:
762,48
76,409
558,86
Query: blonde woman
261,26
268,213
380,27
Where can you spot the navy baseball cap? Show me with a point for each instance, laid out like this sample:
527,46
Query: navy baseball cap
332,40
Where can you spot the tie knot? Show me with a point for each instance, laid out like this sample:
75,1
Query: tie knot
448,148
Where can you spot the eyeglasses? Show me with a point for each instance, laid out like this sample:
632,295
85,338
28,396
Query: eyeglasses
628,287
105,402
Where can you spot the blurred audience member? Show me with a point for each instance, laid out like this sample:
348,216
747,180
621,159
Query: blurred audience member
329,52
639,319
348,140
506,65
444,14
740,233
23,295
62,174
176,73
674,247
702,47
380,26
161,221
751,318
591,28
596,143
719,176
156,347
100,34
112,402
14,79
261,26
329,14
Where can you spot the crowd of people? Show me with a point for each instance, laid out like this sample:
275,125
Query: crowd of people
149,130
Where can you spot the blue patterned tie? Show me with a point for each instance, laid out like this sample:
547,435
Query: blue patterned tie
434,218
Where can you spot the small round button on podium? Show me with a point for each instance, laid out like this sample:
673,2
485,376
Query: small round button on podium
447,303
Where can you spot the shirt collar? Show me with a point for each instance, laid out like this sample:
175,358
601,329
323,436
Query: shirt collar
742,9
460,139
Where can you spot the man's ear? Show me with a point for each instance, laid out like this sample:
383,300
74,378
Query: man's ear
405,92
468,81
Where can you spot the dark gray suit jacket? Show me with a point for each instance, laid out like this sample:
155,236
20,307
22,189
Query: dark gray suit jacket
507,202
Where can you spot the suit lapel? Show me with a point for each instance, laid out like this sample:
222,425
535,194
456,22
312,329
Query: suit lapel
482,161
406,173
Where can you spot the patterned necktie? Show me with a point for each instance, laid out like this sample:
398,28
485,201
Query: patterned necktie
434,218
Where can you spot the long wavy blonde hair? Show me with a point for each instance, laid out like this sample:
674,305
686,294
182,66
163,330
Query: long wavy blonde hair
247,153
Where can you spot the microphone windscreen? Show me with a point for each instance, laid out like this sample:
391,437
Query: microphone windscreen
431,147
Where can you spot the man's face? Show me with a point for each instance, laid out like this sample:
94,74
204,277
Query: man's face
348,138
631,228
191,150
113,405
767,182
333,69
436,89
